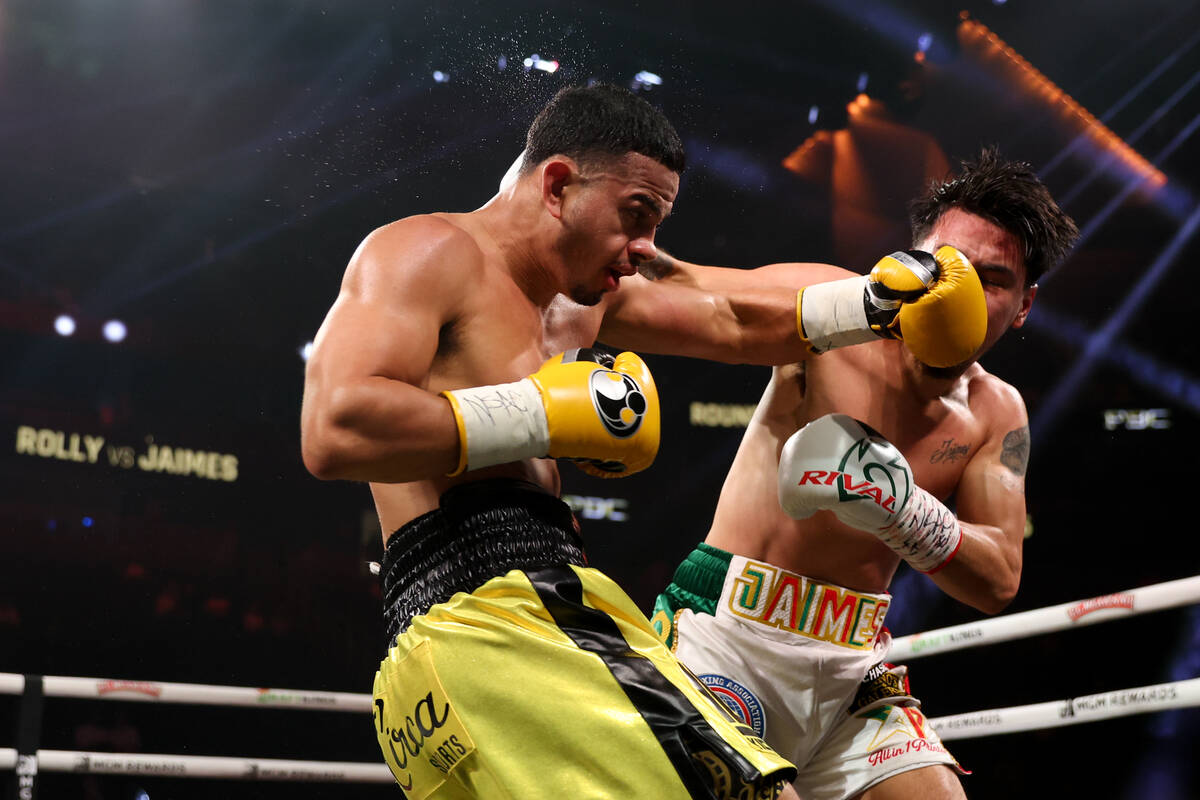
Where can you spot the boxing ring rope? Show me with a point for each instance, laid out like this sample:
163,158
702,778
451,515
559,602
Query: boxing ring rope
1047,620
1072,711
172,766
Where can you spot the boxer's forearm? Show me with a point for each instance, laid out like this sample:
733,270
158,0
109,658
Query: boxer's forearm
378,430
986,570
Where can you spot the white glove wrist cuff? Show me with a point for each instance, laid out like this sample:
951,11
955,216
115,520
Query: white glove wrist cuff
832,314
926,535
499,424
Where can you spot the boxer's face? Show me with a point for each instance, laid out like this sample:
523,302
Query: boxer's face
997,256
609,225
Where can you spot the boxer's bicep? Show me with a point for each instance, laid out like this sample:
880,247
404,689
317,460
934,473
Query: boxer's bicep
991,493
365,397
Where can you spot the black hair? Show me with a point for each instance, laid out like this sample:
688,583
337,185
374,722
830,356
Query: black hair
600,121
1009,194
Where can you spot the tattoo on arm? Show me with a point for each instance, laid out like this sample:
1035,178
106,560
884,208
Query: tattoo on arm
1015,455
658,267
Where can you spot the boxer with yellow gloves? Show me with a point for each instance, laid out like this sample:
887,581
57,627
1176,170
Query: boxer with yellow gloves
513,669
583,404
847,468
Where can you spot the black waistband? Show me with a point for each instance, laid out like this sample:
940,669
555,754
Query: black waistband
479,530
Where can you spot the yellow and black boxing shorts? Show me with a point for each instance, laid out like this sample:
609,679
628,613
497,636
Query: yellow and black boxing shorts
547,681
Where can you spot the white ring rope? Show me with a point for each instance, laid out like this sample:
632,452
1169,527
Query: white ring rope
1089,708
172,766
1045,620
194,693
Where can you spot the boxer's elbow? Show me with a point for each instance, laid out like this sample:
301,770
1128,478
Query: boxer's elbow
1001,591
325,441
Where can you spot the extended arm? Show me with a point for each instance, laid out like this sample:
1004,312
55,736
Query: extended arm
781,313
722,314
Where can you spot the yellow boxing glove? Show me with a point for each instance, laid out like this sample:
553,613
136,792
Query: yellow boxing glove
934,303
581,404
947,324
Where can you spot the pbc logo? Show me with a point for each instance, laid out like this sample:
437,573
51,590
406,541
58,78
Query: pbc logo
619,402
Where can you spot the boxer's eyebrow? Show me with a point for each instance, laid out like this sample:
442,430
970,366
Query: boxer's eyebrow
654,205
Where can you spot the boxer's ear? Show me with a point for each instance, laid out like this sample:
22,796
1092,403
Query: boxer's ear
557,173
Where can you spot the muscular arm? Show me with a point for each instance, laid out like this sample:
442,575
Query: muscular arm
736,316
986,571
366,413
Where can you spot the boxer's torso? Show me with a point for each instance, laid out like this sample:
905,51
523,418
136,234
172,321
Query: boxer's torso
497,335
938,424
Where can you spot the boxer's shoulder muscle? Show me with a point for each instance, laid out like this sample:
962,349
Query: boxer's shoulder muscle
427,257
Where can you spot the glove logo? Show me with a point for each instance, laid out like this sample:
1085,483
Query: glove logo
619,402
885,478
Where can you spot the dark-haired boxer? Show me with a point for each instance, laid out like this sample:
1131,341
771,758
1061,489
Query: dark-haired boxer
450,372
845,470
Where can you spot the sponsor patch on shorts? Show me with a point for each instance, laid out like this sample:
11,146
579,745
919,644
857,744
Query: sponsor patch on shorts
422,738
741,702
883,685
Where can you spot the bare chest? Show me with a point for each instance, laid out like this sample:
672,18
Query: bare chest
938,436
502,336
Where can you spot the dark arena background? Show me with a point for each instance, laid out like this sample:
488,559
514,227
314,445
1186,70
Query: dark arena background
184,183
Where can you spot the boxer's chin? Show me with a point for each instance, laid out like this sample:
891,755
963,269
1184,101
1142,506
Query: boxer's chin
943,373
586,297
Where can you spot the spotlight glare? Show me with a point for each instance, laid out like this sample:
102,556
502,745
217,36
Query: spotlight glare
114,330
537,62
64,324
863,78
440,77
647,78
306,351
502,63
924,41
813,114
87,522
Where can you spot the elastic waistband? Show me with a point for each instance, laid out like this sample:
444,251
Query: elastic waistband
716,582
479,530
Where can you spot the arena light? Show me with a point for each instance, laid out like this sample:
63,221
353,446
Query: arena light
64,325
977,39
114,330
502,63
441,77
306,351
923,42
645,79
813,114
863,80
537,62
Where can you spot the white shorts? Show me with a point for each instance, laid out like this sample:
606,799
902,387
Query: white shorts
804,664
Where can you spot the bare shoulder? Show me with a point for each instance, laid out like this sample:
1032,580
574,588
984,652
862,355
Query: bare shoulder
993,398
1001,410
435,251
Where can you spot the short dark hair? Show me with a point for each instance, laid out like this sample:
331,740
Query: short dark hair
586,122
1009,194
